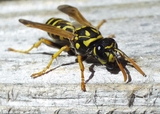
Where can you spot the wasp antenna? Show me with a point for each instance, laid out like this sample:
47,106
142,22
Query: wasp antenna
131,61
111,36
120,67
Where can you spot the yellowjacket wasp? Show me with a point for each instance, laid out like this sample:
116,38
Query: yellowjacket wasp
83,41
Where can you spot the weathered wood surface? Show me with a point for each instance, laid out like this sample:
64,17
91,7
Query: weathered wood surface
67,98
136,25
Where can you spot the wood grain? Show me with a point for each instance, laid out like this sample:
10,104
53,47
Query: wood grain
135,24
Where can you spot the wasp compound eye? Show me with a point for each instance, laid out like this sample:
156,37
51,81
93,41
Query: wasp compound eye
100,51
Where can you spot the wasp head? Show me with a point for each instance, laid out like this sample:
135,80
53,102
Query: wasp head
105,52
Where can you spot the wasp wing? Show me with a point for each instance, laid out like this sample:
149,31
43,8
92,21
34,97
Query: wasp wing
74,13
48,28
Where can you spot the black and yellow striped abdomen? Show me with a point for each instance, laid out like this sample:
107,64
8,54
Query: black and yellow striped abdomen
62,24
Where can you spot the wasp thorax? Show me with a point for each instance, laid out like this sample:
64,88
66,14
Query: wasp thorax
86,38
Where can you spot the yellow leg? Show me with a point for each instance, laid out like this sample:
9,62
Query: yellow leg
100,24
36,45
79,57
111,36
64,48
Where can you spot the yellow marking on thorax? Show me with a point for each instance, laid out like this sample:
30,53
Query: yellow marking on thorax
77,45
76,38
87,42
94,30
78,29
87,33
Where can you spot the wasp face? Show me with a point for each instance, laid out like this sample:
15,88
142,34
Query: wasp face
104,51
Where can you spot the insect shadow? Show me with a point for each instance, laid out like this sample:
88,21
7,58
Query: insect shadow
94,62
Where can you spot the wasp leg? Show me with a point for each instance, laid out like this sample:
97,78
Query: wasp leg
91,69
79,57
65,64
100,24
64,48
36,45
111,36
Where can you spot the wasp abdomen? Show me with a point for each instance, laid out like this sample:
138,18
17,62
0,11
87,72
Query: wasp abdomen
62,24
